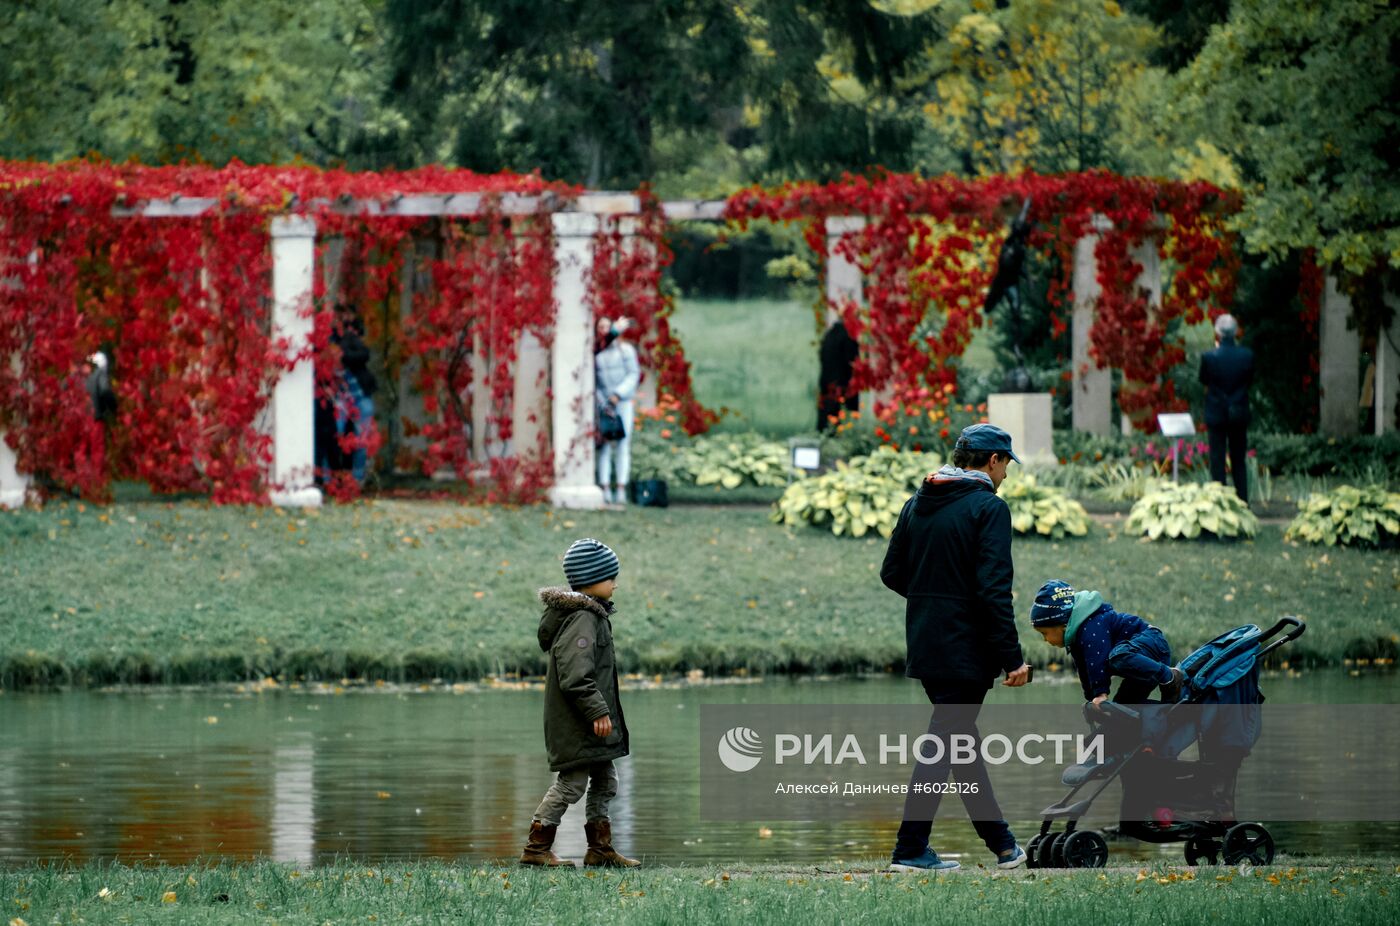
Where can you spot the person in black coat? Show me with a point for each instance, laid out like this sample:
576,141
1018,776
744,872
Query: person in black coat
838,354
1227,373
950,559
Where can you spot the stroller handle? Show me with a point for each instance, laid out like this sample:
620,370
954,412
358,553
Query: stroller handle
1296,628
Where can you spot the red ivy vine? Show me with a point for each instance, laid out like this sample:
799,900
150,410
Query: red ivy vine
927,253
630,256
183,307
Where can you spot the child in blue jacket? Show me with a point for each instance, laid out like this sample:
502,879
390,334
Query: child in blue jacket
1104,643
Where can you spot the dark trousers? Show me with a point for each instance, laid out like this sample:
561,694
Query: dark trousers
955,709
1231,436
1143,662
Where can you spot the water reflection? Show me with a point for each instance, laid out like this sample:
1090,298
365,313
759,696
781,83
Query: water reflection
302,778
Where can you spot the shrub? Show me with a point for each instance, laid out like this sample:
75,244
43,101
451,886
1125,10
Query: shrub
1319,455
866,492
731,460
1190,510
1347,515
725,461
1043,510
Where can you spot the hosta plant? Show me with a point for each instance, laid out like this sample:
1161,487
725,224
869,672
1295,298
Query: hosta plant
729,461
1347,515
1043,510
858,496
1189,510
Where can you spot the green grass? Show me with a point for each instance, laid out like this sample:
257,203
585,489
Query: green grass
433,892
407,591
758,357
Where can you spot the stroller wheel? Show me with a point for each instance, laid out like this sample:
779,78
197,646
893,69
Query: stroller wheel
1202,850
1033,849
1085,849
1248,842
1052,851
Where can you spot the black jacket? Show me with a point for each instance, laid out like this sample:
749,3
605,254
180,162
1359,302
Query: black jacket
950,557
1227,373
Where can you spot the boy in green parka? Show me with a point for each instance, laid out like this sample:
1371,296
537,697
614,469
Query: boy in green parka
584,730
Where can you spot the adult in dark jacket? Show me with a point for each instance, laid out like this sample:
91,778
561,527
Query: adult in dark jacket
838,354
950,558
1227,373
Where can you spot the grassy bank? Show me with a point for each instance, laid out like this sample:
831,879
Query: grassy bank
431,892
757,357
417,590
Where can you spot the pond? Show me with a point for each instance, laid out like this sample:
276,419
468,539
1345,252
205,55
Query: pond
306,776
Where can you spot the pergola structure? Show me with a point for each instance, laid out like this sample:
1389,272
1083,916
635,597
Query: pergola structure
575,222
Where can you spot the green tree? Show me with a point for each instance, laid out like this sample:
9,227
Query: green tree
579,90
164,80
1301,96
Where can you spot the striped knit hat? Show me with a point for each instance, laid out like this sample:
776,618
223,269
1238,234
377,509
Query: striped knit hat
588,562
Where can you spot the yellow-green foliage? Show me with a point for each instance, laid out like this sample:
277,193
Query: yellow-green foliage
858,496
1347,515
728,461
1188,509
1043,510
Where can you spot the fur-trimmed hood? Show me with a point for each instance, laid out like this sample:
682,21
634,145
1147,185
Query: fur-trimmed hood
559,604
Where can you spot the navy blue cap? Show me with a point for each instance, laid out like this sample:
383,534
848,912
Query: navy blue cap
986,437
1053,604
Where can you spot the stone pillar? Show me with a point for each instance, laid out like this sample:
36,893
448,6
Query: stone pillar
1092,401
1150,279
530,411
294,396
843,284
571,365
1339,353
483,432
1027,417
14,485
410,413
1388,369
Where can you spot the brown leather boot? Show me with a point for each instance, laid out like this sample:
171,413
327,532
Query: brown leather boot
539,847
600,851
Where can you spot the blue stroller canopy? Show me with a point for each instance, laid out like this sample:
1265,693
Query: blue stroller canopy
1222,662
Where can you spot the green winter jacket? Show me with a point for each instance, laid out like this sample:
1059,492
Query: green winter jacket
581,683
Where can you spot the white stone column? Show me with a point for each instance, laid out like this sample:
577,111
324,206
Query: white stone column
530,411
1388,370
1092,400
414,279
571,365
1027,417
844,284
1149,279
14,485
1339,357
294,396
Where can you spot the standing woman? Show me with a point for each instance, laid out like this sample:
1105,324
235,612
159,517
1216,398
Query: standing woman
616,374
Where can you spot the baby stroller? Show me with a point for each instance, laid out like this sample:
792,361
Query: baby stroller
1166,799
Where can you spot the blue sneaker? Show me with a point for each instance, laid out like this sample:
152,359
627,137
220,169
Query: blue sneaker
1014,858
929,861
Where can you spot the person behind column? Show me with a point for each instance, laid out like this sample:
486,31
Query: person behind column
950,559
356,416
838,354
1227,373
617,375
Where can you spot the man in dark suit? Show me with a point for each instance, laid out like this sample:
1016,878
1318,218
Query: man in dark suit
1227,373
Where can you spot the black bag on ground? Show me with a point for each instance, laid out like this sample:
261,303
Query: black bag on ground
650,493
